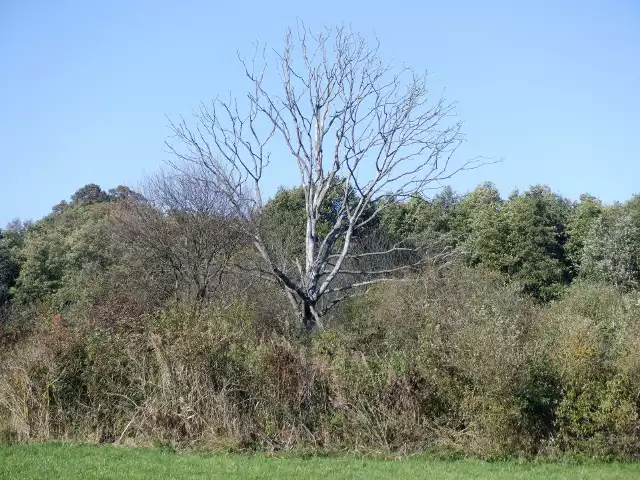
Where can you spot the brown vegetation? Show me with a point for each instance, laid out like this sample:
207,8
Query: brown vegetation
455,359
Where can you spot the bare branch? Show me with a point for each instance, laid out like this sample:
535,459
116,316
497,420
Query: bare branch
361,134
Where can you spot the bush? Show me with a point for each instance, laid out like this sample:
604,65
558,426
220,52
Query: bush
588,339
454,358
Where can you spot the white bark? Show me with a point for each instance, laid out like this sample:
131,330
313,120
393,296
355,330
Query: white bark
350,123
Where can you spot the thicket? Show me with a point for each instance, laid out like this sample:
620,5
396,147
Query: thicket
123,320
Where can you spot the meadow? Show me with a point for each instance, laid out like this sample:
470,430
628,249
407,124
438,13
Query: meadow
56,461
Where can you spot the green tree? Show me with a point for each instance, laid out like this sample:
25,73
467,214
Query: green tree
11,239
486,237
580,221
537,223
429,224
611,251
481,201
64,249
523,237
90,193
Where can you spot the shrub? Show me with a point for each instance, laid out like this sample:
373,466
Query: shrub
453,358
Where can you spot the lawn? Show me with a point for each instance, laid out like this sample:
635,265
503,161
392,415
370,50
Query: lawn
62,462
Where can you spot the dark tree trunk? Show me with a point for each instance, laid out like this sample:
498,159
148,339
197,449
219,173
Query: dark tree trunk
309,319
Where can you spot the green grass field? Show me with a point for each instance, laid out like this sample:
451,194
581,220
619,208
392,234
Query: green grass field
62,462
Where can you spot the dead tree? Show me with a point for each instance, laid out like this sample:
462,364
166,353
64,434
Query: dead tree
347,120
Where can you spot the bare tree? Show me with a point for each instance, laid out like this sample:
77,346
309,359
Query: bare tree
349,121
186,231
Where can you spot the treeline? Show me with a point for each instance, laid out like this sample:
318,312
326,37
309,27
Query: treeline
506,326
539,240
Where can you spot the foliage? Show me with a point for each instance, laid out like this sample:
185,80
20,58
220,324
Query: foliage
523,238
283,223
431,224
455,355
11,239
579,224
455,359
611,252
59,252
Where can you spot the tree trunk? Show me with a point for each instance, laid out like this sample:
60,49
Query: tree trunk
309,317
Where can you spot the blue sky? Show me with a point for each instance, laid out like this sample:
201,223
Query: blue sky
551,87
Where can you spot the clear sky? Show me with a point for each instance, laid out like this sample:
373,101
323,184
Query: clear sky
549,86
